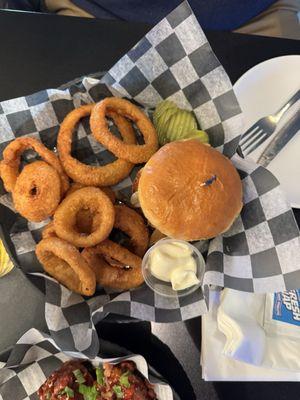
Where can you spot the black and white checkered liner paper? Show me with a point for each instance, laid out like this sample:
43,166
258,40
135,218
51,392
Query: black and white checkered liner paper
260,253
36,356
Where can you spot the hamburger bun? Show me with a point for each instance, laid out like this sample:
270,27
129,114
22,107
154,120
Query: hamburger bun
190,191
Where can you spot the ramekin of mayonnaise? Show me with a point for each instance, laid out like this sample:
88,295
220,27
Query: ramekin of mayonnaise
173,268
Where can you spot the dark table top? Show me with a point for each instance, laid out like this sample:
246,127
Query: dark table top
42,51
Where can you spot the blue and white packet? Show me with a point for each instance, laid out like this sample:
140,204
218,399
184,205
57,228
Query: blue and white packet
282,313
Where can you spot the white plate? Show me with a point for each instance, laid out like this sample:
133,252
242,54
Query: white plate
262,91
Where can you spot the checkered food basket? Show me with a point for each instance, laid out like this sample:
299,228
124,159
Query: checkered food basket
36,356
174,61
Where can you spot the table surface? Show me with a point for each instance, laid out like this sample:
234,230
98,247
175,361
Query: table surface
42,51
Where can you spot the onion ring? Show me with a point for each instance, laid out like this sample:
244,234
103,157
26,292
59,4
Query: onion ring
110,193
37,191
112,276
90,175
49,231
64,262
9,166
135,183
107,190
101,208
73,187
84,218
84,221
131,152
132,223
108,259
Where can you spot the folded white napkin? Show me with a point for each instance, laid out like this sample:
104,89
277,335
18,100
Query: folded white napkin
252,343
240,318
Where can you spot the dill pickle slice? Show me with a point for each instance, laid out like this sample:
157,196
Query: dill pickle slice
173,123
179,124
197,134
161,108
161,125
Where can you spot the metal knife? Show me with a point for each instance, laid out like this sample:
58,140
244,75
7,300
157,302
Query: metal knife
286,133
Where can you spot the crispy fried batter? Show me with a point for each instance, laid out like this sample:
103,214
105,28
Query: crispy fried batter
64,262
110,261
110,193
73,187
89,175
127,151
101,209
132,223
112,276
107,190
49,231
9,166
84,218
135,183
37,191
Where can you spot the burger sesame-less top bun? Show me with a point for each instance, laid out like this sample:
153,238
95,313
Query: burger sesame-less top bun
190,191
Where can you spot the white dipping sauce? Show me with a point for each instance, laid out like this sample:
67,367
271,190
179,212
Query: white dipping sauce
174,262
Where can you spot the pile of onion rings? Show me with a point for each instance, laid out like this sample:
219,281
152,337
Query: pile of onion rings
76,248
114,266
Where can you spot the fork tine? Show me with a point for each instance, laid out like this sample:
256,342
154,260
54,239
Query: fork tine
256,144
248,134
253,138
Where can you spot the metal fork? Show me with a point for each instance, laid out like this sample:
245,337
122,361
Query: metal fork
264,127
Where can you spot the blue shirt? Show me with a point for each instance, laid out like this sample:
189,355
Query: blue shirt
211,14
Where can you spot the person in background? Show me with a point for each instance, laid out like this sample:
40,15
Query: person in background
262,17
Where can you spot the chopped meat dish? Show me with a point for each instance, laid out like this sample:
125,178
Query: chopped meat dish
80,380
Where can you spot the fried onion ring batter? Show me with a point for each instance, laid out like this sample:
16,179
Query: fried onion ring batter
112,276
107,190
101,209
64,262
37,191
89,175
135,183
132,223
131,152
84,218
9,166
49,231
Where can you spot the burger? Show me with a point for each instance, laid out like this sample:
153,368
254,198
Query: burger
189,191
